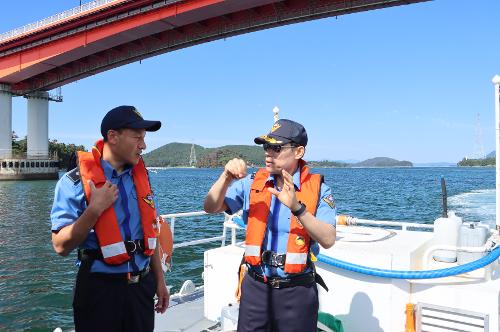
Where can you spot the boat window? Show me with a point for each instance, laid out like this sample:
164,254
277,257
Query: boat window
37,164
16,164
32,164
4,164
10,164
46,164
22,164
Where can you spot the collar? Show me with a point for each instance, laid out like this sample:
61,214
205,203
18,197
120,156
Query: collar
295,177
111,173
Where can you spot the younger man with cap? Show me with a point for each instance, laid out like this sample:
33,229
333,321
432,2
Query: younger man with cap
288,210
106,209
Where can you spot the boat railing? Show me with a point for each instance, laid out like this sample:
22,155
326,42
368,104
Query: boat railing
54,19
405,226
230,224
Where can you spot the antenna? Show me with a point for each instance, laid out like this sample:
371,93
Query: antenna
192,156
478,146
276,110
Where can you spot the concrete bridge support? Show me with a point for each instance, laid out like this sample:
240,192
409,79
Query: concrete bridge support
5,121
38,125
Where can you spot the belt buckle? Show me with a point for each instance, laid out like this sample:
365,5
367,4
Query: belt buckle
274,283
133,279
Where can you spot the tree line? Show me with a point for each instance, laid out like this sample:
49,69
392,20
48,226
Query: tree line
62,150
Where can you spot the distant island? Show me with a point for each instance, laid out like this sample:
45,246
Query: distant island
177,155
488,160
382,162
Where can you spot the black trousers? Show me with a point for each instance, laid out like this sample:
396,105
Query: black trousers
111,304
266,309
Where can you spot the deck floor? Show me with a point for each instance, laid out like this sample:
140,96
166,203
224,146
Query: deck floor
185,314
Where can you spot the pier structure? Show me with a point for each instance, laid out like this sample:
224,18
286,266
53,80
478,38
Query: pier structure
36,163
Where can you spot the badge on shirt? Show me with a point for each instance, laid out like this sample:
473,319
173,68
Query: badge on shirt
330,201
300,241
149,200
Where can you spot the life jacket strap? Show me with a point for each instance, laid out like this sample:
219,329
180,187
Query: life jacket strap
133,247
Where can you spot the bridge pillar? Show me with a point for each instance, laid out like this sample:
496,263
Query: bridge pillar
5,121
38,124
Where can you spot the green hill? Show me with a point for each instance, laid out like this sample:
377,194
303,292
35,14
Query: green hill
478,162
383,162
177,155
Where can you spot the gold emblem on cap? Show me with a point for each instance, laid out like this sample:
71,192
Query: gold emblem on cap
275,127
270,140
137,112
299,240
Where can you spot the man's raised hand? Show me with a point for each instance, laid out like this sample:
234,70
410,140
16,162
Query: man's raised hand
236,169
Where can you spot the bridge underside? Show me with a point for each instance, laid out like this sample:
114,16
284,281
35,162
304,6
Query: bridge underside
145,37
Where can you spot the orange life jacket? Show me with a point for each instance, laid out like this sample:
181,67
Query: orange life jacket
106,228
260,205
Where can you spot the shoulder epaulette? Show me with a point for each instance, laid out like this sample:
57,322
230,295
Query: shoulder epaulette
74,175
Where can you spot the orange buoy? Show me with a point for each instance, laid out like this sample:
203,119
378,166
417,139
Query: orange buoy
345,220
166,244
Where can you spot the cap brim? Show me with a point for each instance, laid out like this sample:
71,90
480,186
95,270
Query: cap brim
271,140
145,124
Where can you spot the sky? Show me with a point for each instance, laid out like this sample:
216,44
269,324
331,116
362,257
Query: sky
411,83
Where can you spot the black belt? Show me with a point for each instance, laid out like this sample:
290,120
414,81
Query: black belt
306,279
132,247
131,277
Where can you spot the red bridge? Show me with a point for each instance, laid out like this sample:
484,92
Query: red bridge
105,34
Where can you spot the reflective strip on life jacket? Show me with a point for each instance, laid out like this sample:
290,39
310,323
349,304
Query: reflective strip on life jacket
152,243
260,204
292,258
114,249
252,251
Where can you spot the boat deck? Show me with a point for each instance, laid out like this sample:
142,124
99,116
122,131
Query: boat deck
185,314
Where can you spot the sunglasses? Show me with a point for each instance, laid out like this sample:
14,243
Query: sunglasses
276,148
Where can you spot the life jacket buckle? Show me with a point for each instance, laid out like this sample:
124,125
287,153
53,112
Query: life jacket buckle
131,246
273,259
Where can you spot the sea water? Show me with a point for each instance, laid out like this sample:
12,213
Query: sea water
36,285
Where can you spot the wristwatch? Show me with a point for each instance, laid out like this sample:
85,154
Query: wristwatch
300,211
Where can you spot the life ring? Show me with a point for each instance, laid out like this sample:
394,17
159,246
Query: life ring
166,244
345,220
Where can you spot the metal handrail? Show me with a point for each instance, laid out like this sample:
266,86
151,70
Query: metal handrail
55,18
172,217
229,223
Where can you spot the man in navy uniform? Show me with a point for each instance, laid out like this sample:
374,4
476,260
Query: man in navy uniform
105,208
287,210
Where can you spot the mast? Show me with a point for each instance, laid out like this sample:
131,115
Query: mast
496,83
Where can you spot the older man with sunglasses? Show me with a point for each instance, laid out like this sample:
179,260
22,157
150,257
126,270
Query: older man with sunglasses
288,210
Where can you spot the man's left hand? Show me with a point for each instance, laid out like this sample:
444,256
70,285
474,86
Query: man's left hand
163,297
287,194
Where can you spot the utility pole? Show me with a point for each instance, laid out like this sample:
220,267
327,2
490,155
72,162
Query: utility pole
192,157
